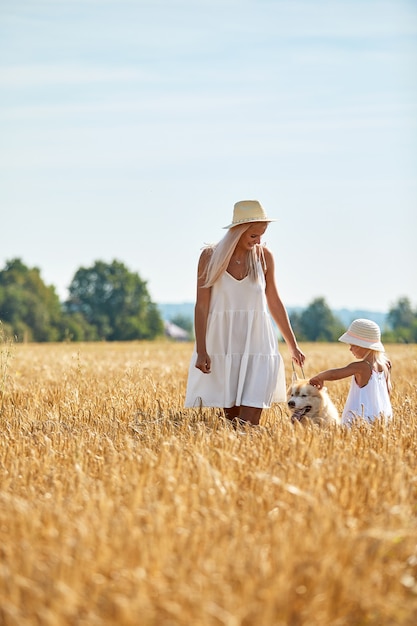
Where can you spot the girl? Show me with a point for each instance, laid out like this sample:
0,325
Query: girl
370,389
236,364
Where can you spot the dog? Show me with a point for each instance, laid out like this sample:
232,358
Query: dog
307,403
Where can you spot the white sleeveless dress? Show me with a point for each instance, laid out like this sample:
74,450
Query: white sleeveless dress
370,402
246,367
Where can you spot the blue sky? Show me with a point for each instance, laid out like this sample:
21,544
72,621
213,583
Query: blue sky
129,129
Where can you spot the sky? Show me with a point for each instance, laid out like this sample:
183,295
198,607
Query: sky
129,128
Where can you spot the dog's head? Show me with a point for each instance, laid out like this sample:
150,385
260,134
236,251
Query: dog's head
304,400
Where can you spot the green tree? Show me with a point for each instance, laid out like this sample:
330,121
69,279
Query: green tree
74,327
30,309
115,302
403,322
316,323
401,315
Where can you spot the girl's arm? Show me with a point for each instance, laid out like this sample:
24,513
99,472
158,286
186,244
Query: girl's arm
201,311
359,369
278,310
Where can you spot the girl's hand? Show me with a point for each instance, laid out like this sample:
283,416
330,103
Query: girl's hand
317,382
203,363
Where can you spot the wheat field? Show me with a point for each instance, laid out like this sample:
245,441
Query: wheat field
118,506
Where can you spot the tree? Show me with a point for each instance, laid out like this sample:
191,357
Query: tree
74,327
403,321
29,309
401,315
316,323
115,301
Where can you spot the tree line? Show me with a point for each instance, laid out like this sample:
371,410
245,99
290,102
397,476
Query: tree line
108,302
318,323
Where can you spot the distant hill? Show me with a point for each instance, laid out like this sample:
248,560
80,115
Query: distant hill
346,316
170,310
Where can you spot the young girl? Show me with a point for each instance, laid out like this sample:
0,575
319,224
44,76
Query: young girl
370,389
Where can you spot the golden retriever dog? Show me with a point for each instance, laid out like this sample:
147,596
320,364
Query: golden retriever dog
306,402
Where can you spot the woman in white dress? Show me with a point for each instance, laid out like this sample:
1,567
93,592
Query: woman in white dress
236,364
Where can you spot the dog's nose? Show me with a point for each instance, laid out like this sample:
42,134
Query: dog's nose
291,403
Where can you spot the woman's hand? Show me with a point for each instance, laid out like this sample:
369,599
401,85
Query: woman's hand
298,356
203,363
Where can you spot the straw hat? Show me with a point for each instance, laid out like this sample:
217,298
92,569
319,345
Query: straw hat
365,334
248,211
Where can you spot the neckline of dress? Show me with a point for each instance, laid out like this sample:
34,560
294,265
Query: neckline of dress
238,280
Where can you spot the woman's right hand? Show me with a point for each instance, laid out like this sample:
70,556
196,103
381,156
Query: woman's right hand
203,363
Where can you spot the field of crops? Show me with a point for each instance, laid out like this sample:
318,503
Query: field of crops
118,506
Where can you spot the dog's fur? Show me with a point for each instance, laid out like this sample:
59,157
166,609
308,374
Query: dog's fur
307,403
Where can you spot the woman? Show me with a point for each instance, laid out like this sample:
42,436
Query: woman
236,364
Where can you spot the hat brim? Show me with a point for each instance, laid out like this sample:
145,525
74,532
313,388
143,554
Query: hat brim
250,221
362,343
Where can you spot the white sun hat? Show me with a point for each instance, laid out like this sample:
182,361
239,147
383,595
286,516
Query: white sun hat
248,211
365,334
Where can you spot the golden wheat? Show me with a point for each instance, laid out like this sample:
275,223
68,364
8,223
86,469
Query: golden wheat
118,506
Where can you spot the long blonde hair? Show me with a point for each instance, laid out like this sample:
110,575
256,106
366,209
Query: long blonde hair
221,253
385,363
382,360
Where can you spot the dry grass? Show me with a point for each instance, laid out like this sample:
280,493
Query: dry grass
118,506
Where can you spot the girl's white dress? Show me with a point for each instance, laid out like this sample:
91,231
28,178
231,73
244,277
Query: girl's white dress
246,367
369,402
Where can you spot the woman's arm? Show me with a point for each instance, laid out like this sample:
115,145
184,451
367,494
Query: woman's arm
278,310
201,311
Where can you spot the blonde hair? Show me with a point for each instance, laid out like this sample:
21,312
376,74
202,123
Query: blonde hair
221,254
382,360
